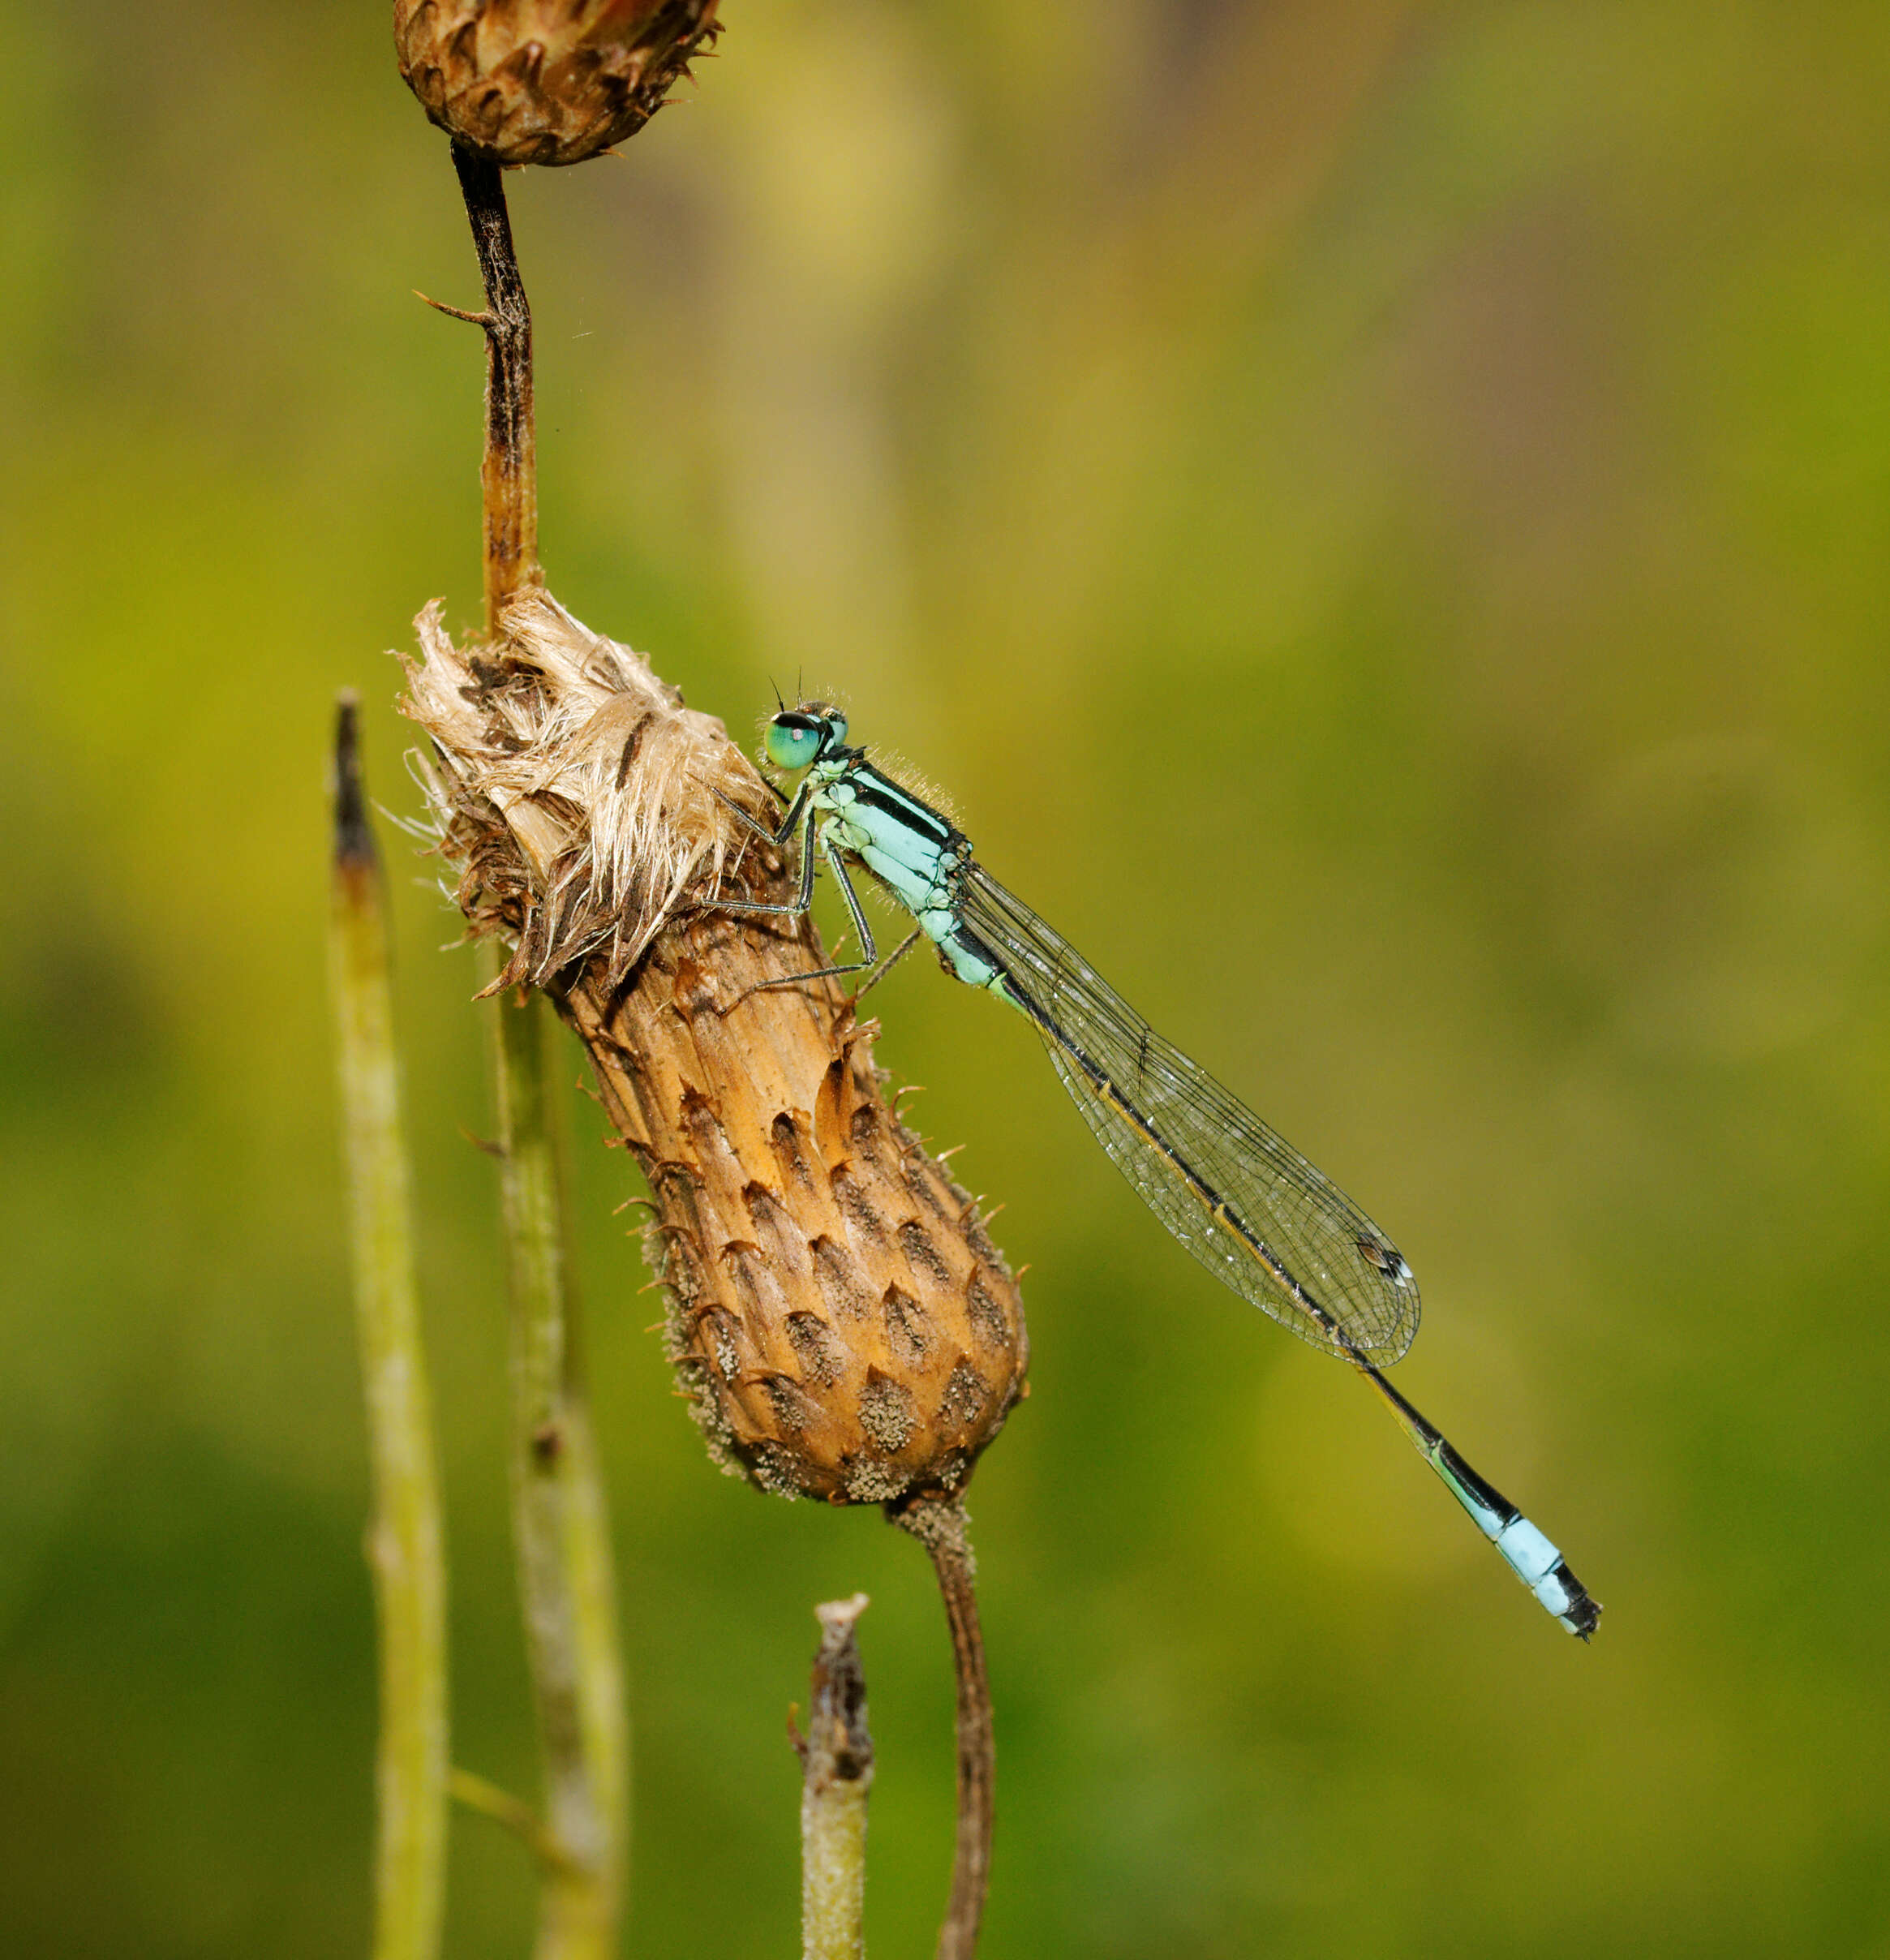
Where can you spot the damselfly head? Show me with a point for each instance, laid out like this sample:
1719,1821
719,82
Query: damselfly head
798,737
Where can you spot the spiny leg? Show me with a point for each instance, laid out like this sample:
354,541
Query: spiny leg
867,944
804,898
886,966
789,821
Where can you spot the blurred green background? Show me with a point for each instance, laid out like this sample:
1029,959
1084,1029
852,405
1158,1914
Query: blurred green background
1380,514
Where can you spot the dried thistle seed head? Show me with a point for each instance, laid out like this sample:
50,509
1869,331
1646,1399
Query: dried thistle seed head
546,81
837,1313
579,797
836,1310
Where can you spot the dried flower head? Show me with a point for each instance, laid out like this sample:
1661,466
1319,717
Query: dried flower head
546,81
837,1313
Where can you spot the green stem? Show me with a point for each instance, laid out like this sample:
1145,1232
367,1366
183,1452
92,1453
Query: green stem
485,1799
404,1535
559,1517
836,1763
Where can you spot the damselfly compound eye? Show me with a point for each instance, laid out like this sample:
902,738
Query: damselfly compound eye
793,740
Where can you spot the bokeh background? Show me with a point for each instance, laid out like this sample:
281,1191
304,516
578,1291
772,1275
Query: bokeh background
1380,514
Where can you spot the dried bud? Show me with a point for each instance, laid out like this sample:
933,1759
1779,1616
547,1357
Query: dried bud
546,81
839,1317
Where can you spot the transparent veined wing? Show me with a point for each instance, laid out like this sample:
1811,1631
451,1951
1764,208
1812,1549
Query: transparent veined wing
1256,1213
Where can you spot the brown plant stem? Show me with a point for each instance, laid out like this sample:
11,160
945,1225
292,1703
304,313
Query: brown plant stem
509,474
560,1518
937,1522
404,1534
836,1765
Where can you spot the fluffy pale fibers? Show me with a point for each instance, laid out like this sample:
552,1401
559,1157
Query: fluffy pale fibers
604,787
842,1321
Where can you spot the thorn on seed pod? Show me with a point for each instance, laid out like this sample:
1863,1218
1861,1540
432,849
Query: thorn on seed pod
547,81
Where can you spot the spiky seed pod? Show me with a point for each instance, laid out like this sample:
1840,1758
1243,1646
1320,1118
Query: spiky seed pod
546,81
839,1317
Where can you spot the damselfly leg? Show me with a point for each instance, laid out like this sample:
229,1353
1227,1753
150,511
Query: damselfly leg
802,902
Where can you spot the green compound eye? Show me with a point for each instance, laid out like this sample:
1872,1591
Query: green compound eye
798,736
792,740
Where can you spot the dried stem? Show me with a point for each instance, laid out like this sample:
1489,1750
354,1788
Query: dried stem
938,1523
404,1535
509,474
836,1762
838,1313
559,1518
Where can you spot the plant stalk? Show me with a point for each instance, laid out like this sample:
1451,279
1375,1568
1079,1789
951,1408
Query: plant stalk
561,1519
509,473
937,1522
836,1762
404,1535
560,1516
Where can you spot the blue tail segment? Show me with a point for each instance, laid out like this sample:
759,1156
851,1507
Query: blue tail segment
1526,1552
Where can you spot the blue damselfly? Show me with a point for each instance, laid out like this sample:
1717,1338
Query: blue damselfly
1260,1218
